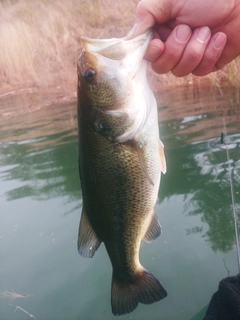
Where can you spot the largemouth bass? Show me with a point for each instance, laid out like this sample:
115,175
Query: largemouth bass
120,160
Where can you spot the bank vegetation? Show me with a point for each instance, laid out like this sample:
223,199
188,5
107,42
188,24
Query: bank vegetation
40,41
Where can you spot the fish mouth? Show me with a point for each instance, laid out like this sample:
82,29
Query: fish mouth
119,48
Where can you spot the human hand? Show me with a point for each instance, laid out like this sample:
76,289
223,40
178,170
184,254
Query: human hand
190,36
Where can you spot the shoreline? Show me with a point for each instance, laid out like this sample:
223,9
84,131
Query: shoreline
27,100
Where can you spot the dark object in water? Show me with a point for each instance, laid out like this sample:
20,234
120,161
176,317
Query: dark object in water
225,303
222,138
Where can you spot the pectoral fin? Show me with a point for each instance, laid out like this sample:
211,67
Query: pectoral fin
162,157
141,157
154,229
88,241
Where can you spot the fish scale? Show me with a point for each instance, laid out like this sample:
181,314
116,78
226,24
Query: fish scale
120,162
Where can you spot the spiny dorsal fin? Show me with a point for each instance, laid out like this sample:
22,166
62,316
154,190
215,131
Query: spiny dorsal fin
88,241
163,165
154,230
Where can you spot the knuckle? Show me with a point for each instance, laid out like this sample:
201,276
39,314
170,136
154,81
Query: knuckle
173,53
194,55
200,72
159,68
211,57
142,8
219,65
208,64
179,72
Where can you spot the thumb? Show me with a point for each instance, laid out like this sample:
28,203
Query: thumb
144,20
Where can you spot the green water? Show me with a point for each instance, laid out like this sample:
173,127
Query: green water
40,206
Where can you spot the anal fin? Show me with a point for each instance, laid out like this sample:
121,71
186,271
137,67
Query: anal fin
154,230
88,241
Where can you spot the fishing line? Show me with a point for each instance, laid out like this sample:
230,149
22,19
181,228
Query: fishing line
224,140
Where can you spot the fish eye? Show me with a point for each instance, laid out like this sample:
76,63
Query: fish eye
89,74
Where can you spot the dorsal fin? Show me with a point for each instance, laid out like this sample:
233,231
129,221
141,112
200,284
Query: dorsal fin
88,241
154,230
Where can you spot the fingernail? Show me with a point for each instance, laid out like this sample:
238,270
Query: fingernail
183,33
220,40
203,34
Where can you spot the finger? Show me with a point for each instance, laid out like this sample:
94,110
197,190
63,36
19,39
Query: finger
162,31
173,49
193,52
212,53
149,13
154,50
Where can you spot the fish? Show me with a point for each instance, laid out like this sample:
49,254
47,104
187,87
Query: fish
121,158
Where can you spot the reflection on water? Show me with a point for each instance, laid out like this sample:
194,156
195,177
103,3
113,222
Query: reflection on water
40,201
197,112
39,154
200,169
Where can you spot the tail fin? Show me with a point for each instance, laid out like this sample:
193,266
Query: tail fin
144,289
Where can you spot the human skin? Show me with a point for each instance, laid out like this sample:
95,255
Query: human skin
190,36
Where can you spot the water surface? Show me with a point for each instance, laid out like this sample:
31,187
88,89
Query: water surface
40,203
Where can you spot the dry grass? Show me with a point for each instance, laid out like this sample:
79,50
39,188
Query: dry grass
40,40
